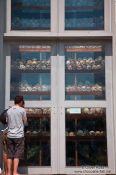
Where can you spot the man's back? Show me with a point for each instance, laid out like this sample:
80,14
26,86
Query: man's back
15,136
15,122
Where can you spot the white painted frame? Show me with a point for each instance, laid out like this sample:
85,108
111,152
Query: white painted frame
114,70
108,104
51,103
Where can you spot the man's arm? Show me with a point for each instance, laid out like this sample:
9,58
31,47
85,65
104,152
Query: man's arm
25,119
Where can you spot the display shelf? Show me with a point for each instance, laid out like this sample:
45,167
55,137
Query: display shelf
97,71
86,138
84,93
19,6
34,49
97,49
85,134
19,71
38,116
85,71
32,92
44,136
84,116
38,137
35,154
83,8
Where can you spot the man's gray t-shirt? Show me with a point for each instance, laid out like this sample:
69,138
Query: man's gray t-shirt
16,115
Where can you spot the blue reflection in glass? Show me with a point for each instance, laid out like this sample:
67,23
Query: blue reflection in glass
84,75
30,74
30,15
84,14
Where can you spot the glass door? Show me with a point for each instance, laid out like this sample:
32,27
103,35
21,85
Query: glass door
86,137
85,72
30,67
38,137
86,122
68,93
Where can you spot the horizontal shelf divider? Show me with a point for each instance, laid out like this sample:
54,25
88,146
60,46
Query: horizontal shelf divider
84,116
86,138
38,115
32,92
97,93
84,71
30,71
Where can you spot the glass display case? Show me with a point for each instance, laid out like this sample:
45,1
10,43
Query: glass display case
86,137
30,15
67,89
38,137
85,71
84,15
58,55
31,72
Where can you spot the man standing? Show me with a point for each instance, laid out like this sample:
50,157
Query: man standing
15,136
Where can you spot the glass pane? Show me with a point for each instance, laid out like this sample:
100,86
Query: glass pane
30,72
30,14
37,143
85,71
84,14
86,137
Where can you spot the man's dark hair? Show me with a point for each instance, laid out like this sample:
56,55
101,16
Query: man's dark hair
18,99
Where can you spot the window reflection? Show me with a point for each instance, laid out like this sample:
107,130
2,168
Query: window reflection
37,138
84,14
86,140
30,14
85,72
30,72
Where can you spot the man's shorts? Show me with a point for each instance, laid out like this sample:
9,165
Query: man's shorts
4,141
15,148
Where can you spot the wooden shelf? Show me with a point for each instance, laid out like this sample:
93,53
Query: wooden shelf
25,163
38,115
34,49
32,92
84,93
83,8
85,71
84,116
19,7
38,136
19,71
86,138
99,49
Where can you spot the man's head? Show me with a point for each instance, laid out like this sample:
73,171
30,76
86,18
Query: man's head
19,100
